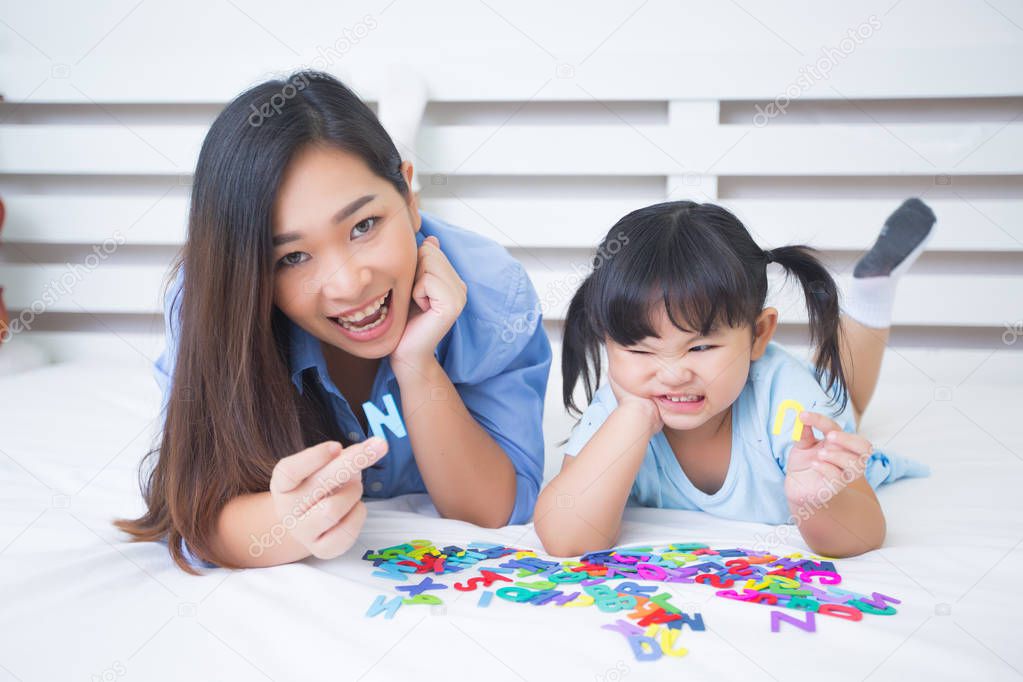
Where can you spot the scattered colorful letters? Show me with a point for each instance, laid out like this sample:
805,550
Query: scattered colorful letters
804,585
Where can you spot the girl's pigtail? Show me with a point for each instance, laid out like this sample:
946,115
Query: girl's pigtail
821,294
579,347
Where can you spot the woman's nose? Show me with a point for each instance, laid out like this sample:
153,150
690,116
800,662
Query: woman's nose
345,279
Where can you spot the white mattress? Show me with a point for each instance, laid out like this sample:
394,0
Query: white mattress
78,602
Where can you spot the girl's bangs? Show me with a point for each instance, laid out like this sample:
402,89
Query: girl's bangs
698,294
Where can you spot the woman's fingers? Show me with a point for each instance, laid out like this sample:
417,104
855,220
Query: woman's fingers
419,296
318,489
429,256
432,292
340,538
326,513
434,262
429,285
343,469
291,471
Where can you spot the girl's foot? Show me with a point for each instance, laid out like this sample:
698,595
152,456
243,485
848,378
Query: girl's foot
903,238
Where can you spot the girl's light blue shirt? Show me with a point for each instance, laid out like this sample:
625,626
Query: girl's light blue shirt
754,487
496,354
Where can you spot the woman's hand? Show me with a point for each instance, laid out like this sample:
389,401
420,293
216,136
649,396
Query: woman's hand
318,494
645,408
829,464
440,295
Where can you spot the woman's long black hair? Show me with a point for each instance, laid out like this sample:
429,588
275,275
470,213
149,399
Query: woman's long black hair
703,265
233,411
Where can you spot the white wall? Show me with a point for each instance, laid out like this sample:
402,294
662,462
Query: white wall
548,122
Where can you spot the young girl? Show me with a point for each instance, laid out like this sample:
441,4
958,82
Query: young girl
310,283
698,409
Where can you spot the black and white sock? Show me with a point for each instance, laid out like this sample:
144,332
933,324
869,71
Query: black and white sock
871,294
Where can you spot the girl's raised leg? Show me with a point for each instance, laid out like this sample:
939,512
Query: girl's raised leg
867,308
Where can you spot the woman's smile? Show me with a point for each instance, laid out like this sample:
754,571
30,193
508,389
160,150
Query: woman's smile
367,323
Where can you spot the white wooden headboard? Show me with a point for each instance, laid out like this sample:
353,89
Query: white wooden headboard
546,124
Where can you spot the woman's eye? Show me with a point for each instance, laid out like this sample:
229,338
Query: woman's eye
291,259
364,226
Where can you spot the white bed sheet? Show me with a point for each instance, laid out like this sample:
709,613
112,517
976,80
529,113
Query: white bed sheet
78,602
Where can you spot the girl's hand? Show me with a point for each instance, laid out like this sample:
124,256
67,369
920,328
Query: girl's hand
440,294
830,464
318,494
649,413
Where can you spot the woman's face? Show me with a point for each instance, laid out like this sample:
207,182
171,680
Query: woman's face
345,251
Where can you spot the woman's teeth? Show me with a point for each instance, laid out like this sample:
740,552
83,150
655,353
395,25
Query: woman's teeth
377,309
365,312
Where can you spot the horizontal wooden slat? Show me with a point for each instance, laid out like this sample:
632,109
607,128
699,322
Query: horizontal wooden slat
826,224
965,225
69,149
105,289
458,69
903,149
81,219
974,224
953,300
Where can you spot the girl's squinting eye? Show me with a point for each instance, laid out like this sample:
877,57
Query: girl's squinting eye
702,347
289,260
638,352
364,226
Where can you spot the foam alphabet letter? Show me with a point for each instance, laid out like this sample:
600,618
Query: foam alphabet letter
808,623
381,605
779,419
391,419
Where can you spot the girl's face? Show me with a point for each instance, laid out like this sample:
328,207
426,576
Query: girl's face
690,378
345,251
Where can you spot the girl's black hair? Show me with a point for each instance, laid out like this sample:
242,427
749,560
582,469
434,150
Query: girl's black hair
701,263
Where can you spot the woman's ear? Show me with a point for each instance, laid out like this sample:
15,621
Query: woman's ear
413,197
763,331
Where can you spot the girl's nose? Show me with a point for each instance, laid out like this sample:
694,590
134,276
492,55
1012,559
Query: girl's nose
673,372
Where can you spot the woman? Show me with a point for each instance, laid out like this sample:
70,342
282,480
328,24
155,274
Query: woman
310,284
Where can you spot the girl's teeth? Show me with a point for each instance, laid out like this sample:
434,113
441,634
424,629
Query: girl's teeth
685,399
